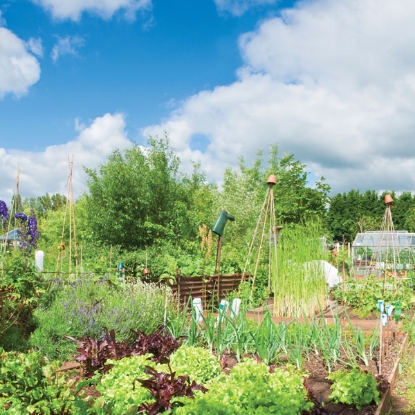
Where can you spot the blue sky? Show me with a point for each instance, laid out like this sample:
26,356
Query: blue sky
331,82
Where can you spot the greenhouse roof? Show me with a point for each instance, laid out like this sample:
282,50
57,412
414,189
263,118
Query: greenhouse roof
385,238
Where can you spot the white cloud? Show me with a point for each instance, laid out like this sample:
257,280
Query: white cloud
331,82
18,68
48,170
2,20
66,46
73,9
35,46
239,7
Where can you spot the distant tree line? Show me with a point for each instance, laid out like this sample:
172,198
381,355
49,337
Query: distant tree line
353,212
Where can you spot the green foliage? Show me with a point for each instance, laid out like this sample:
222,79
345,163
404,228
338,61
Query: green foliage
244,191
138,198
354,212
354,387
43,205
251,389
85,307
363,295
29,384
21,287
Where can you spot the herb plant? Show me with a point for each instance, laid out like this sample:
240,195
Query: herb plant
84,307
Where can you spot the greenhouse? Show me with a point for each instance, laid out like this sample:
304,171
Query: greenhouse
383,250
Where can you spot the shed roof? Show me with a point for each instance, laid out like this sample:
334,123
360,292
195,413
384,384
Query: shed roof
13,235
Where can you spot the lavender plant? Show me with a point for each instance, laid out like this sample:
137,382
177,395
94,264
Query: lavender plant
85,307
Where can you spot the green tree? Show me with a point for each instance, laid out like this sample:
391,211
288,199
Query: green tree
138,197
401,209
244,191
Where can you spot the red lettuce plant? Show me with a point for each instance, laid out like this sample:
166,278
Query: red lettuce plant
93,354
165,387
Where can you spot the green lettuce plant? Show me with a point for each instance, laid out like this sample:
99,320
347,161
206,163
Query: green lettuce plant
120,394
196,362
354,387
251,389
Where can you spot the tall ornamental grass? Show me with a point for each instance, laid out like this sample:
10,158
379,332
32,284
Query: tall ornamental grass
84,307
299,283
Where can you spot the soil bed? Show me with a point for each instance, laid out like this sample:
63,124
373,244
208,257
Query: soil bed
316,380
319,385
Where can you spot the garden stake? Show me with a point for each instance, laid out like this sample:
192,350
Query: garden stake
165,312
380,344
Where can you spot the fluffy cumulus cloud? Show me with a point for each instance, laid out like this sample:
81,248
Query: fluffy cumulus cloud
239,7
332,82
48,171
19,69
73,9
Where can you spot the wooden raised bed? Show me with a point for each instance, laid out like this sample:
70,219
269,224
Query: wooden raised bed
211,289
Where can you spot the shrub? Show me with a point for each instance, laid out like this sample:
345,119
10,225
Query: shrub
20,287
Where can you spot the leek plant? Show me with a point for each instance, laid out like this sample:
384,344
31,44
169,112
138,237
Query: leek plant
297,344
299,283
263,336
242,341
374,343
349,352
330,341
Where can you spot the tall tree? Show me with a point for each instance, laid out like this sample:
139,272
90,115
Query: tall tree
138,197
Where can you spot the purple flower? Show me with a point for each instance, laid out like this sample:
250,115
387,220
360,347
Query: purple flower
21,216
28,233
4,212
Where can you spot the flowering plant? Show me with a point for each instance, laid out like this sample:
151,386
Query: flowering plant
28,233
4,212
